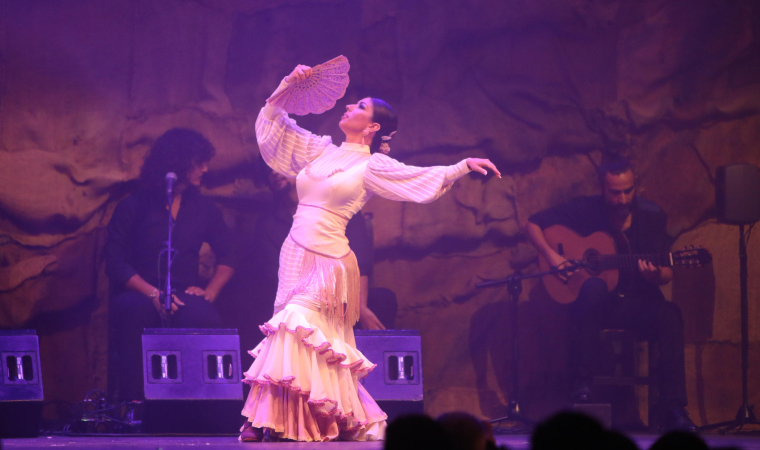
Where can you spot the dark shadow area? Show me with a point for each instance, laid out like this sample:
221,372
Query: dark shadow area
545,379
542,355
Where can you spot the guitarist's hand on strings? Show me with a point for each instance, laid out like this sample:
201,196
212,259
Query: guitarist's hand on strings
557,261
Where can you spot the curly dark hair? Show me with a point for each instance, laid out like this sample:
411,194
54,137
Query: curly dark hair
386,117
177,150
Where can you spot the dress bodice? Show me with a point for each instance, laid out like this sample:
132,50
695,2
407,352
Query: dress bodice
330,191
335,180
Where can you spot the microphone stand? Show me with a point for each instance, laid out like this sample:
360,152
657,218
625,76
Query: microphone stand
168,292
514,286
746,413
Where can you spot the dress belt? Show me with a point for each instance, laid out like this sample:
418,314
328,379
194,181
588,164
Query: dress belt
325,209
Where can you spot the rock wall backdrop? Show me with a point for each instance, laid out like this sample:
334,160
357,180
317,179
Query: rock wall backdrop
543,88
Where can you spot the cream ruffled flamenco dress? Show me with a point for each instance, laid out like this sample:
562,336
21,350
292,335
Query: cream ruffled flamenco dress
305,378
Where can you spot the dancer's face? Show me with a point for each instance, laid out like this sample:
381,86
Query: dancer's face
358,117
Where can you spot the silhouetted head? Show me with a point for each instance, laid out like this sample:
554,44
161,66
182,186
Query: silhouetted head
465,431
373,116
619,441
679,440
415,432
569,430
179,150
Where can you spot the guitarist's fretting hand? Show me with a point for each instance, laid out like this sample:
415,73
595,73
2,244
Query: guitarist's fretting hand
650,272
655,274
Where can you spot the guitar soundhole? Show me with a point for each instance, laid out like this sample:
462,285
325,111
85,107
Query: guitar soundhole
591,257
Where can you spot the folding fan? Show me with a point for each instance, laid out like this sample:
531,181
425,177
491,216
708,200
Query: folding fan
317,93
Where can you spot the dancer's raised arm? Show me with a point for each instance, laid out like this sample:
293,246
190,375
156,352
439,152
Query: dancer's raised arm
285,146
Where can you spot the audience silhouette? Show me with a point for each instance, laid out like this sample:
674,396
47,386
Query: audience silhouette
680,440
466,432
416,432
566,430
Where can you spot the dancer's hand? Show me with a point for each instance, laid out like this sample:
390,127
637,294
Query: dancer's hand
369,320
300,73
482,166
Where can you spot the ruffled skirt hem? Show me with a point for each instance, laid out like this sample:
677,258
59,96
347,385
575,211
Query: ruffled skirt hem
335,351
308,421
306,387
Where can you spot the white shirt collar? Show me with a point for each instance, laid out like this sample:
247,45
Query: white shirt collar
355,147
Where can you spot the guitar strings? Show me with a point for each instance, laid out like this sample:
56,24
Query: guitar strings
603,262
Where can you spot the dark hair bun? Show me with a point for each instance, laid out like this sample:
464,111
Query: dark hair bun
383,115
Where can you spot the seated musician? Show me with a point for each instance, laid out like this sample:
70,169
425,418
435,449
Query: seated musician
135,253
637,304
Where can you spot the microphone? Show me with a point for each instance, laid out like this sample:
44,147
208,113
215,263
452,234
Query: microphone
171,178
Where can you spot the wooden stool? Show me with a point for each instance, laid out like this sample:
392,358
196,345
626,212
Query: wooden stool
621,367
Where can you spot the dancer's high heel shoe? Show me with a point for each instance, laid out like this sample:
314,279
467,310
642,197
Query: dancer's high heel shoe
251,434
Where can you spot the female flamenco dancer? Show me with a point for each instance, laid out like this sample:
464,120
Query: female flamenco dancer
305,379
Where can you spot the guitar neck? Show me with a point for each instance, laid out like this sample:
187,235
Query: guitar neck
607,262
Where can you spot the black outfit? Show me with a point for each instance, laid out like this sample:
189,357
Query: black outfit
137,235
636,304
381,301
360,243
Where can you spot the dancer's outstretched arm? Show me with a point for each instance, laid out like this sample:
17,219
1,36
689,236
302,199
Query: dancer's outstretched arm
394,180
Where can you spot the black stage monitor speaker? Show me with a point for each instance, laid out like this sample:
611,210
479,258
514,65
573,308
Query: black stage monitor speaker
192,380
396,382
21,385
737,194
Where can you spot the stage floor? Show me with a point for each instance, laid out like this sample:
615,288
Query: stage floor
513,442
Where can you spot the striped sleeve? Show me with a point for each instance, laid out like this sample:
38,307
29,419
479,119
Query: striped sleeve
394,180
285,146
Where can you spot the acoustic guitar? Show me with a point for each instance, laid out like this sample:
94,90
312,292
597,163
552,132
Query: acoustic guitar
598,256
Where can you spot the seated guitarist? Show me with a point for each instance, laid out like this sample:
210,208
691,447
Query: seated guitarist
637,304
